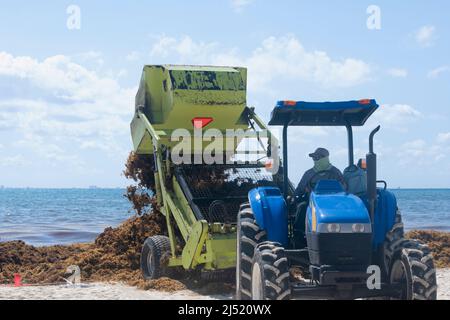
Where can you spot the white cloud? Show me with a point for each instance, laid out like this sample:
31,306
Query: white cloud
185,48
64,78
240,5
276,58
444,137
426,36
69,104
419,152
303,135
435,73
398,73
90,55
47,150
395,116
13,161
133,56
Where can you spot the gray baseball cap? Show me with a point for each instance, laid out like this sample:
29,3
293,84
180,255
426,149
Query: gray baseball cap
319,154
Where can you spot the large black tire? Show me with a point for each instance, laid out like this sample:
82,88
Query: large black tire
392,245
155,250
249,235
270,273
413,267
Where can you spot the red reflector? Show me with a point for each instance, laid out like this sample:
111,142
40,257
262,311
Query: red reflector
290,103
200,123
365,101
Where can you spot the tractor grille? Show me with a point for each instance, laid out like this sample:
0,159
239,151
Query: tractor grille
216,192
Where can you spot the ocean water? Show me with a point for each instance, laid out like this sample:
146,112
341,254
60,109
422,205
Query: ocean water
64,216
60,216
426,209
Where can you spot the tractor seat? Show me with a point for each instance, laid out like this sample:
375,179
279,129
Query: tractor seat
356,180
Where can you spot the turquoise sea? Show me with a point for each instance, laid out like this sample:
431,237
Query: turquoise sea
63,216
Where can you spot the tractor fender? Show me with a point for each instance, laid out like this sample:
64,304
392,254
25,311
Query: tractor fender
271,214
385,213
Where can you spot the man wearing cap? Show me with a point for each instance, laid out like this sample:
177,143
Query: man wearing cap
322,170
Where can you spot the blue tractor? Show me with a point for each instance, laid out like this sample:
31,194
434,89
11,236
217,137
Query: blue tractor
345,242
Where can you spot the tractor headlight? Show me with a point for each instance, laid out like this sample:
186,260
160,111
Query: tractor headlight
347,228
334,228
358,228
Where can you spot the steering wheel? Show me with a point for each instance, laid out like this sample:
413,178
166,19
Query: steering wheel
310,186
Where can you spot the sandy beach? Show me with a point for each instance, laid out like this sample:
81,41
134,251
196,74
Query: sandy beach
98,291
110,268
105,291
443,279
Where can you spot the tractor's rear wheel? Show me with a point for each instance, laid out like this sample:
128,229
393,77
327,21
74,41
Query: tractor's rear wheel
249,234
270,273
413,268
154,251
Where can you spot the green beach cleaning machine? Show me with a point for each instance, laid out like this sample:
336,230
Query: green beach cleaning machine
199,199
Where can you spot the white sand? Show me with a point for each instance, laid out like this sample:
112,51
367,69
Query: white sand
97,291
443,279
102,291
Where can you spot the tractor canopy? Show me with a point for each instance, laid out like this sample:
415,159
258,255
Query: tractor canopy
300,113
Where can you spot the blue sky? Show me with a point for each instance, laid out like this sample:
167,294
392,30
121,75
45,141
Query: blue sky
66,96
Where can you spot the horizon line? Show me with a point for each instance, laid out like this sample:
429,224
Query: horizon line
124,187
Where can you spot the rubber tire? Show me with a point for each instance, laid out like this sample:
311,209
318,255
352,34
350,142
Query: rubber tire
271,261
421,283
395,238
249,235
156,248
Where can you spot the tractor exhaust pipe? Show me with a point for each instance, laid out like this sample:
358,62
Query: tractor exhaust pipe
371,161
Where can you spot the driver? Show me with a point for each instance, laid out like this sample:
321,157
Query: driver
322,170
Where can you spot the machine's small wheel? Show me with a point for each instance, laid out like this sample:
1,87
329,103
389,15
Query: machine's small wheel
392,244
270,273
249,235
154,250
413,267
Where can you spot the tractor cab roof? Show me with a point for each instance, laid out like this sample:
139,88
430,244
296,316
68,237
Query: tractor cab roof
300,113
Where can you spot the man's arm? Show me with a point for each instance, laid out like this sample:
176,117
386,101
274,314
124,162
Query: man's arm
303,184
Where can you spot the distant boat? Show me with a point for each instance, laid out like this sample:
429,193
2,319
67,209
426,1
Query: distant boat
2,187
93,187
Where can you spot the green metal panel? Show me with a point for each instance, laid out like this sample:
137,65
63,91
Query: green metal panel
171,96
221,251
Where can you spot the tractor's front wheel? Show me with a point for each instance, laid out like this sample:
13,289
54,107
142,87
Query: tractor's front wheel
413,269
270,273
393,243
153,253
249,234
